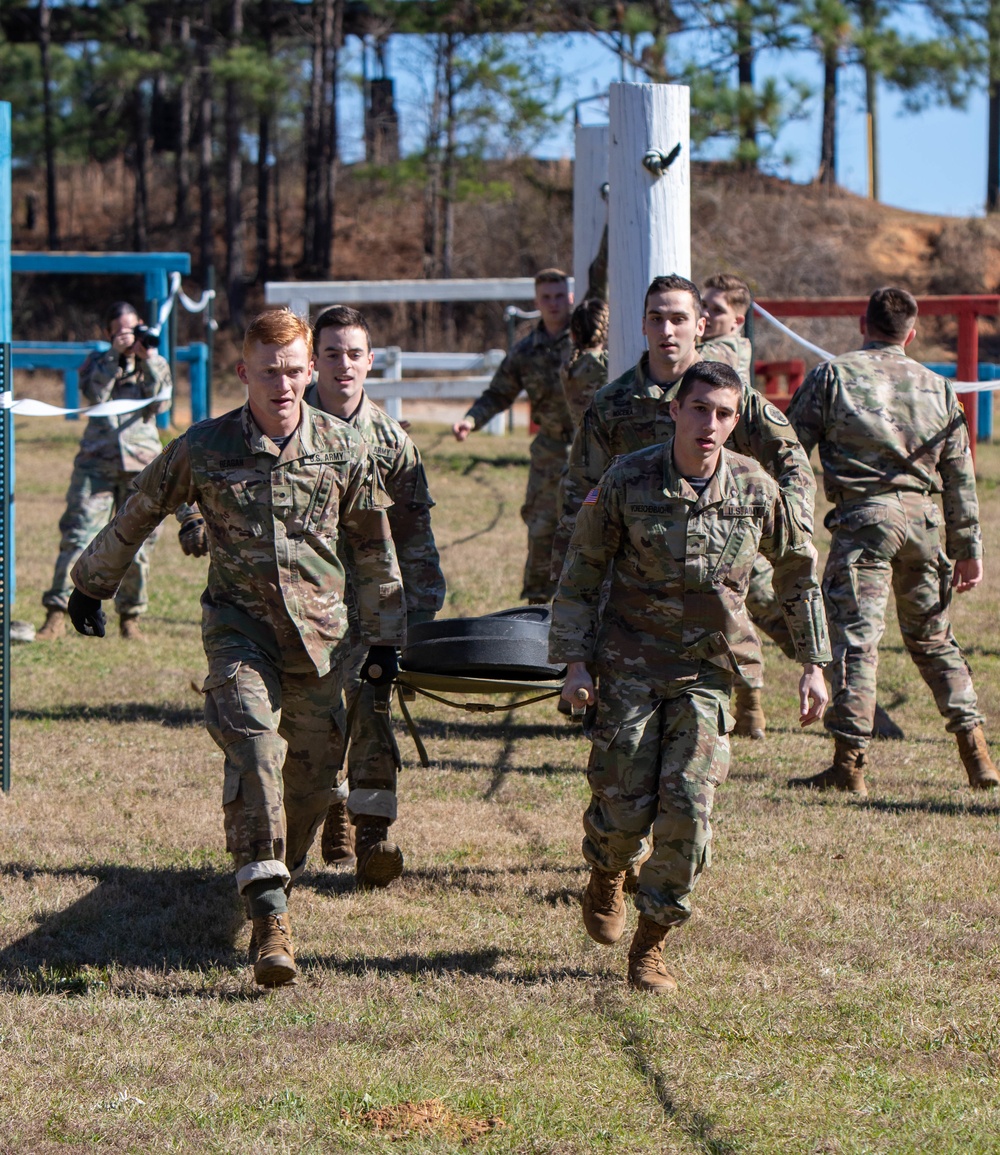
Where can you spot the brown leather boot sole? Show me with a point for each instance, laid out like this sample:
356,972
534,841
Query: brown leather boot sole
379,866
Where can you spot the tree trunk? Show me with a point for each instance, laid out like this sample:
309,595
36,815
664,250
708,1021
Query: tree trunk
182,202
140,203
207,236
333,35
264,165
313,137
450,188
993,129
744,72
828,144
51,205
235,241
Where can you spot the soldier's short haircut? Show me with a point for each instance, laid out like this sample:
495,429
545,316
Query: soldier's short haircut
277,327
673,283
341,317
118,309
734,289
712,373
551,277
891,312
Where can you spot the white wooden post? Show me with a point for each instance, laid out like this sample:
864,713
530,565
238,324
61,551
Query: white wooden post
590,210
497,425
394,372
649,217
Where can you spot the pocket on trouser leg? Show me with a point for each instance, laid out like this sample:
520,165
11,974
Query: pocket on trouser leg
252,798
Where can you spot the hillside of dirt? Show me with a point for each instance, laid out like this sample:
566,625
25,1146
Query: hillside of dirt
785,239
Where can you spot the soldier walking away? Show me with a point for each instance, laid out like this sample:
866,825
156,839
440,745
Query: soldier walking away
891,434
675,528
113,450
367,797
633,412
276,483
533,365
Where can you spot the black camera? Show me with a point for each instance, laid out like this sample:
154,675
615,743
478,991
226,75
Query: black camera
147,336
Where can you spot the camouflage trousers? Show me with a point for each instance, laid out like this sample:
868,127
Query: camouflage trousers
894,539
540,514
373,761
91,500
282,736
765,609
658,774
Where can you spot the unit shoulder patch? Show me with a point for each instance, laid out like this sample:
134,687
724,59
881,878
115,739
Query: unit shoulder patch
773,413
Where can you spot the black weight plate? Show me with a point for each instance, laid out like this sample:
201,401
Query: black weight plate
498,656
503,625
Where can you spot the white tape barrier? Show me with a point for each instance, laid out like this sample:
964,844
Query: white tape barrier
960,386
28,407
177,293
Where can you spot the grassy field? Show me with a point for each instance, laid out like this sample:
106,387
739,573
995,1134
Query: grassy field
838,982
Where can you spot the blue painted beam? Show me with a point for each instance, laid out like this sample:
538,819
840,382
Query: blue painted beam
64,262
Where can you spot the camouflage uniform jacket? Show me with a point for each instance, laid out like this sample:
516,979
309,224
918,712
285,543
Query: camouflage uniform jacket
532,365
582,375
129,442
680,567
403,477
733,350
884,424
272,520
631,413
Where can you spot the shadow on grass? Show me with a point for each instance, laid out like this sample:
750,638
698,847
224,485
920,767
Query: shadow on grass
494,731
133,918
642,1052
174,717
469,879
480,963
926,806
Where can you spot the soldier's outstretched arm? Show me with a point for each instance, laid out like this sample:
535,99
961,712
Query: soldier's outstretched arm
499,395
805,410
159,489
412,535
959,500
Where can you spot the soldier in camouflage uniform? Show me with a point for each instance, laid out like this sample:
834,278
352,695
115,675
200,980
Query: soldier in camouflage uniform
276,483
586,370
633,412
367,797
533,365
112,452
679,524
891,434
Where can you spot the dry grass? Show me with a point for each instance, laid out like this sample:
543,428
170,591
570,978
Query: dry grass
838,982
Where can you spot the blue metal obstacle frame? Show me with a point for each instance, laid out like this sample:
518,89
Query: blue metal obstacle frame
68,356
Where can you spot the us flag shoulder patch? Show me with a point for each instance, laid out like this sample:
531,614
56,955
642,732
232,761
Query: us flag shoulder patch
591,498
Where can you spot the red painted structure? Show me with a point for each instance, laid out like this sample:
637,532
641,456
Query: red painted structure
968,310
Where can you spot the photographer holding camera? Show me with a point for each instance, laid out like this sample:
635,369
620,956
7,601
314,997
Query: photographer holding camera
113,451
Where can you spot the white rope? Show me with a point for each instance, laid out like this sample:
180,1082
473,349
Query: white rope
960,386
29,407
177,293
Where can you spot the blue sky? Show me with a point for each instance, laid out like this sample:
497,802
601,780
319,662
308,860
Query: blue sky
933,161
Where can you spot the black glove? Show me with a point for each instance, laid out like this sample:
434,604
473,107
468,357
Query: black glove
381,665
86,615
193,538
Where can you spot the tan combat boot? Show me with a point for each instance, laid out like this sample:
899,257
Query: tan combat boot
271,939
379,860
128,627
337,843
976,759
54,628
846,773
750,720
646,971
604,906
